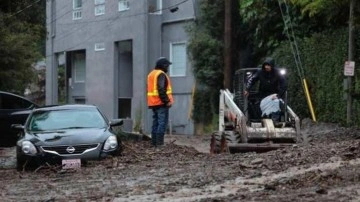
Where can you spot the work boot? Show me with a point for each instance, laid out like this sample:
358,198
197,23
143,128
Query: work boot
160,139
153,139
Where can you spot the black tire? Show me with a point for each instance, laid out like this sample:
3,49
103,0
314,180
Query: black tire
232,137
216,141
222,139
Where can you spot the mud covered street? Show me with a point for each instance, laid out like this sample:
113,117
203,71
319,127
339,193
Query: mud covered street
323,167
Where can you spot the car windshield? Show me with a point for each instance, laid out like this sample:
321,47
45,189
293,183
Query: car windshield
66,119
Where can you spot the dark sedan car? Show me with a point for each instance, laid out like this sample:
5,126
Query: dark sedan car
13,109
67,134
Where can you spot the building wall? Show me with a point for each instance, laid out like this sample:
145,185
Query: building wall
150,35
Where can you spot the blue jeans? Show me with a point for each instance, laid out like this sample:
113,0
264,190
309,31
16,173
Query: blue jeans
276,116
160,121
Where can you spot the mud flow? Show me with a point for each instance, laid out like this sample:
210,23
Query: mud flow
324,166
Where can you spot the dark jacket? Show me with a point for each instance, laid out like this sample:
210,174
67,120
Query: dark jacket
270,82
162,86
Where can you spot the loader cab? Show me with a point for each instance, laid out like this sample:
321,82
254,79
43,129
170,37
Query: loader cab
249,105
252,103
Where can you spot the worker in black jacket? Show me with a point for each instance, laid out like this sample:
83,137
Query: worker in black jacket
272,82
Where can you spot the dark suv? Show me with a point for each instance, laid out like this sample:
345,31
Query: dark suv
13,109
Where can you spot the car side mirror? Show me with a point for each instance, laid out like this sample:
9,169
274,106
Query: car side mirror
17,127
116,122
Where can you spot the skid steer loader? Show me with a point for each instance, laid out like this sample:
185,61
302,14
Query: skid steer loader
242,128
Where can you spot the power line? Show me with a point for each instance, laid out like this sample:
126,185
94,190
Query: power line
295,50
91,36
292,39
31,5
128,16
58,17
106,26
22,10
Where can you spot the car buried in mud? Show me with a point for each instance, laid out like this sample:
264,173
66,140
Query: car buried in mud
66,134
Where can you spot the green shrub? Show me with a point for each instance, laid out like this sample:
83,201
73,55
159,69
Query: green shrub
322,56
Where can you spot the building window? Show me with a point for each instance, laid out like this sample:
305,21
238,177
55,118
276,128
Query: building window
79,67
77,13
155,6
178,59
124,108
77,4
99,7
99,46
124,5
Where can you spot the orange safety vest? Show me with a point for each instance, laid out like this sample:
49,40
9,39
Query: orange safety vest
153,97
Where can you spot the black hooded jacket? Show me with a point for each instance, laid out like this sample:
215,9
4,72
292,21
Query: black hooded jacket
270,82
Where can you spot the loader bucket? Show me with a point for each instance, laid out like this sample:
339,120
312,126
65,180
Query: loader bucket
263,147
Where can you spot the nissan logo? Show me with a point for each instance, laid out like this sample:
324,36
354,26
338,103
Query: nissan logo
70,149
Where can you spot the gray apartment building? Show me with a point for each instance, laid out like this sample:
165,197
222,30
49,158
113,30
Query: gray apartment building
100,52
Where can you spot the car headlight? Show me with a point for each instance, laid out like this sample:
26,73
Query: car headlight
28,148
111,143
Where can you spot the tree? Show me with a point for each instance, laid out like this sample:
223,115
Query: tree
265,27
205,49
21,43
334,12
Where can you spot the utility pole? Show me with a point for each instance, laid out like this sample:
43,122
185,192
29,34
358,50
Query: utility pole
227,45
350,58
51,86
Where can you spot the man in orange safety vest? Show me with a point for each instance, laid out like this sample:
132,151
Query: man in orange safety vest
159,99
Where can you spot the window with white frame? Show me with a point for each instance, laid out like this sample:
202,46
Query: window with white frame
99,7
155,6
79,67
77,6
178,59
124,5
